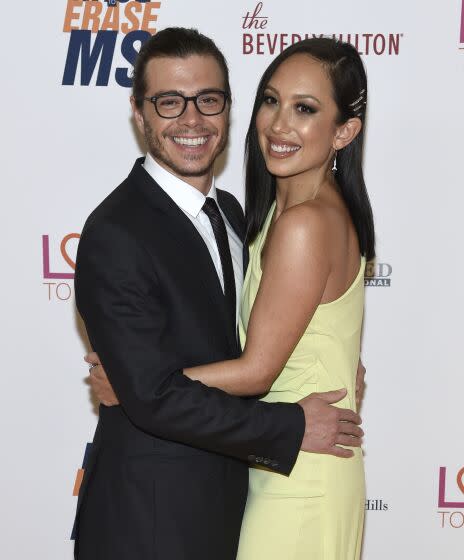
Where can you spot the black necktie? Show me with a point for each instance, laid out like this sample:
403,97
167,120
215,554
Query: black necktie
210,208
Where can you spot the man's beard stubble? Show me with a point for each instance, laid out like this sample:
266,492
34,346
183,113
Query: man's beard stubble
155,148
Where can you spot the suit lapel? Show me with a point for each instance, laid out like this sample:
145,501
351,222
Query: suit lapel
236,220
180,228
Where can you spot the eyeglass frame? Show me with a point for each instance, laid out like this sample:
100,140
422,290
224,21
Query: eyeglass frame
186,99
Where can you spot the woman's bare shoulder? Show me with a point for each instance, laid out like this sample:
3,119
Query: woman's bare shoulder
308,222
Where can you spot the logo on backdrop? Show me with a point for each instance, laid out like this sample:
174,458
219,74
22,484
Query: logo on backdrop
375,504
59,263
451,498
378,274
80,472
79,479
97,30
257,40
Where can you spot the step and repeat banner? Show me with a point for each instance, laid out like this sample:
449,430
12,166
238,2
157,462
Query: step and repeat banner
68,139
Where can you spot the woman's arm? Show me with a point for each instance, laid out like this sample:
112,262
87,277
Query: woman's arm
295,273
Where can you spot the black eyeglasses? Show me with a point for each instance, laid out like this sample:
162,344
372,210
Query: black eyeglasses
172,105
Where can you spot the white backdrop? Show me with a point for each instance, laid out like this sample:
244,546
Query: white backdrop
65,147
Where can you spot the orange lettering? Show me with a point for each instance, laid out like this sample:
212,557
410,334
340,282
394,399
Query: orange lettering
148,16
92,13
111,19
71,15
77,484
64,252
460,480
129,10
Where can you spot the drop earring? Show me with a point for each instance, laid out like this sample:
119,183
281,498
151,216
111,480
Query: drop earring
334,166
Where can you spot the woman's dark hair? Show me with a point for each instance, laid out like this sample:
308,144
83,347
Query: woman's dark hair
349,86
174,42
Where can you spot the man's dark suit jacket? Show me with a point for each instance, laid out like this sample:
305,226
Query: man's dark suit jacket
167,476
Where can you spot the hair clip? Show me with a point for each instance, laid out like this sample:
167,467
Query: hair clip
360,98
358,107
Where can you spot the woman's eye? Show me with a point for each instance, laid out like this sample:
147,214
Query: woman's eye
269,100
305,109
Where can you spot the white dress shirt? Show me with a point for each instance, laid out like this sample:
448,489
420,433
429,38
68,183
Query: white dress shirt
190,200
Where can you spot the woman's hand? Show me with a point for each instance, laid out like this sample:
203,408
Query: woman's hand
360,384
99,381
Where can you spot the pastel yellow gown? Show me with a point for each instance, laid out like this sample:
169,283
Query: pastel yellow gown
317,512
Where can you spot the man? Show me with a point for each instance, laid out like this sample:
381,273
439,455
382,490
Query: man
158,275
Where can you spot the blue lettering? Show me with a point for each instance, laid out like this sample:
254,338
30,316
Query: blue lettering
80,47
130,54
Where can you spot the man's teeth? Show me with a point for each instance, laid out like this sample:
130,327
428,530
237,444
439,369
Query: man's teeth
199,141
284,148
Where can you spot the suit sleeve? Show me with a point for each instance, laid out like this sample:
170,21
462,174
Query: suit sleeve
121,303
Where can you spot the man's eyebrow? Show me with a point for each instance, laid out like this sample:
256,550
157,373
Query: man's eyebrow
167,92
210,90
180,92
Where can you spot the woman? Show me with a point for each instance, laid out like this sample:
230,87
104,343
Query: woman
310,230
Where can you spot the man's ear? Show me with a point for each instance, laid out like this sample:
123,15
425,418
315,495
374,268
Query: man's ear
138,117
346,133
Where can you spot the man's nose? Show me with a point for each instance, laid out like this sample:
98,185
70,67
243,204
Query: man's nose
191,116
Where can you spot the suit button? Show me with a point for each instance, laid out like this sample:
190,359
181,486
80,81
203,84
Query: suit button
259,459
251,458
